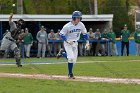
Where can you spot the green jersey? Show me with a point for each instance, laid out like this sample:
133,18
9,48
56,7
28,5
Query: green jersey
112,36
81,37
125,35
104,35
28,38
137,37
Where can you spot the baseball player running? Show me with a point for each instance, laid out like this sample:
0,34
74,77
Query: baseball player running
70,33
9,40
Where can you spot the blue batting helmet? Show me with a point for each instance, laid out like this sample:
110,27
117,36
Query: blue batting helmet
76,14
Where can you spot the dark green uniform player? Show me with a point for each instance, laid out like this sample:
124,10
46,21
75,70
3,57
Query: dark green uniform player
137,41
81,45
112,38
137,36
28,41
104,36
125,40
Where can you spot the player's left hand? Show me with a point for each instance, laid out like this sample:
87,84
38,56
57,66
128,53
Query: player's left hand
87,46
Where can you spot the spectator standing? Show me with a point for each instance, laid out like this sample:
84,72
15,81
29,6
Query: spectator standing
58,44
97,36
104,36
125,34
137,41
28,41
42,42
112,38
51,36
81,48
20,42
93,44
90,33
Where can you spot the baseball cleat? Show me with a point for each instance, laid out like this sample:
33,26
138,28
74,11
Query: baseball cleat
59,53
70,76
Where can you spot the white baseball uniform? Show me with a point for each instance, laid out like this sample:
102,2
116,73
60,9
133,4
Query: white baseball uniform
72,33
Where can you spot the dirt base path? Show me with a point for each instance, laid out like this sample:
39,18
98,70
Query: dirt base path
78,78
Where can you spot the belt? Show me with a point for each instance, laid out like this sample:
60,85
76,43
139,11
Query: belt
10,39
72,42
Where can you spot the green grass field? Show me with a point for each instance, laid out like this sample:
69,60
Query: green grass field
16,85
116,67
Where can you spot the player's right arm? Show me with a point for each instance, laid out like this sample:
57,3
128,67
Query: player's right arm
63,33
10,18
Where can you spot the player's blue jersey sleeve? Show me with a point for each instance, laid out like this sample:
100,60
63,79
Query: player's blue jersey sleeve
86,37
63,37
